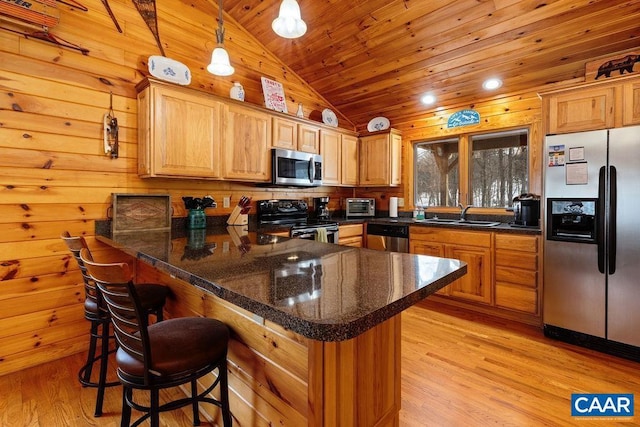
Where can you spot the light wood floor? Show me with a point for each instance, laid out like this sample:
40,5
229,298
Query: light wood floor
458,369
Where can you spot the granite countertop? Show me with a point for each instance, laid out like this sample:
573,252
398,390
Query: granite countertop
504,227
322,291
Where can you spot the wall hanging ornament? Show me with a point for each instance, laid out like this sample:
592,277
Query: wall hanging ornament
147,9
110,131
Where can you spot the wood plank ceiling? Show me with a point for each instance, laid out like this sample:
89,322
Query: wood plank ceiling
373,58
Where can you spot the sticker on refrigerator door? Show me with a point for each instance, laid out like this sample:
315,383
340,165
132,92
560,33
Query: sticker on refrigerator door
556,155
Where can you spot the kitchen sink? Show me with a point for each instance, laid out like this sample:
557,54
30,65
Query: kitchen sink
465,222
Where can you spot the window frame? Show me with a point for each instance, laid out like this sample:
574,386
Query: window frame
464,159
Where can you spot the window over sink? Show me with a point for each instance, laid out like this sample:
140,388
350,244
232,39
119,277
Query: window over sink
482,169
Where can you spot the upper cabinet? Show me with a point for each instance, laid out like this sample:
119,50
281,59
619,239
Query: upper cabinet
588,109
179,133
293,135
247,135
380,159
602,105
631,103
339,158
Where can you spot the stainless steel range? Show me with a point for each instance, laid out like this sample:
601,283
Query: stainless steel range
294,215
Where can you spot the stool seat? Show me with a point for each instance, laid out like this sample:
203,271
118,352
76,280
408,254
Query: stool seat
152,298
178,346
165,354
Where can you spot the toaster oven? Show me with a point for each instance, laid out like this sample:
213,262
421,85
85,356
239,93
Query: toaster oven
359,208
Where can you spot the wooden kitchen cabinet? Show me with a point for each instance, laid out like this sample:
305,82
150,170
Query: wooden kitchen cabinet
351,235
585,109
380,159
516,270
339,158
631,104
179,132
247,136
472,247
293,135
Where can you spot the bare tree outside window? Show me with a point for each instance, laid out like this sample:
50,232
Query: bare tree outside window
436,173
499,167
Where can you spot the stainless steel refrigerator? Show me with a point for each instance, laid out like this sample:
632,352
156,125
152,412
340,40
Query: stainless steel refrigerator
592,240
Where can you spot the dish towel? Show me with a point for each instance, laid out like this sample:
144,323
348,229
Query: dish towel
321,235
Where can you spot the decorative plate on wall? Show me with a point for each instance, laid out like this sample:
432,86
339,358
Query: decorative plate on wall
378,123
329,118
169,70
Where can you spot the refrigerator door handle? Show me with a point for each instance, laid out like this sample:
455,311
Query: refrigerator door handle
613,200
601,220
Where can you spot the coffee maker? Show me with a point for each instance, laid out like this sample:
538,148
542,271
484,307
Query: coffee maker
321,209
526,210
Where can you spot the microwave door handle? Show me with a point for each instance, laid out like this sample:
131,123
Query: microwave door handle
311,169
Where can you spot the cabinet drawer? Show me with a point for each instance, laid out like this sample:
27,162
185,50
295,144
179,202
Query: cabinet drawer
515,242
351,230
356,242
526,261
465,238
516,298
517,276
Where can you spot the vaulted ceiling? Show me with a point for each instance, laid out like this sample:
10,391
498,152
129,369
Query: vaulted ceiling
373,58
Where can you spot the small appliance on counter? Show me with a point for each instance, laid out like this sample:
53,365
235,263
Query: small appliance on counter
526,210
321,209
361,208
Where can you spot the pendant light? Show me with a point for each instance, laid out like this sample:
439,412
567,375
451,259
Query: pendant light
289,24
220,65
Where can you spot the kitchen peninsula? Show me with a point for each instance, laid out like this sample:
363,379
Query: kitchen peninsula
315,326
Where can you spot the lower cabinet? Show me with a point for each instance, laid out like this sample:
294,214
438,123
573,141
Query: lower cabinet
517,272
502,269
351,235
472,247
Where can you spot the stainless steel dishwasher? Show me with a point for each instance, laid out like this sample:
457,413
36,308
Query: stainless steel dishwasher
388,237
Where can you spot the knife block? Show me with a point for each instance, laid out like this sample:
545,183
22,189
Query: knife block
236,218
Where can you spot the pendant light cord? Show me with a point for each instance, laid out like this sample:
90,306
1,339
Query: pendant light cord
220,30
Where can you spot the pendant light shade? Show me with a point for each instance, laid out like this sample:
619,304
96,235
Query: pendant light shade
289,24
220,65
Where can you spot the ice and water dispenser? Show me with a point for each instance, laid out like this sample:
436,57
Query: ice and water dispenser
572,220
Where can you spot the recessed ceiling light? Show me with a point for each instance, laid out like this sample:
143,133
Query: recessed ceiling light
428,99
492,83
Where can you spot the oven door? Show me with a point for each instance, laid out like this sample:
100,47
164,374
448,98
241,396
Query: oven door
310,234
296,168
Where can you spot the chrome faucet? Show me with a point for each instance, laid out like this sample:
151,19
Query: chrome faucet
463,211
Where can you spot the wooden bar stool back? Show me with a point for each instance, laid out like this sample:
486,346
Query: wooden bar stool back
95,311
166,354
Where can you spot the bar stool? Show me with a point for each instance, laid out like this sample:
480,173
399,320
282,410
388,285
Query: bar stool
166,354
95,311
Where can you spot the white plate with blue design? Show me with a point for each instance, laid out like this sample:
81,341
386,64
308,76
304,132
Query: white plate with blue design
378,123
169,70
329,118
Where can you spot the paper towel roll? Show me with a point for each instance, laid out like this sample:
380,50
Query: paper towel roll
393,207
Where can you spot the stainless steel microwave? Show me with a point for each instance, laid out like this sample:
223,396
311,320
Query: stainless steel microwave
361,208
295,168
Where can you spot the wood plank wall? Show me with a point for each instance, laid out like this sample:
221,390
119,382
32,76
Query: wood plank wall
54,175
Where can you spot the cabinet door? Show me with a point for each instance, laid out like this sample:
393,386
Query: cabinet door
330,151
246,144
374,160
185,133
349,159
396,159
285,134
308,138
631,104
476,284
420,247
587,109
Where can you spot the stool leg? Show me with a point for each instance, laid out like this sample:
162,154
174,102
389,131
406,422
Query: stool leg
224,394
104,362
85,371
159,315
125,418
153,408
194,403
